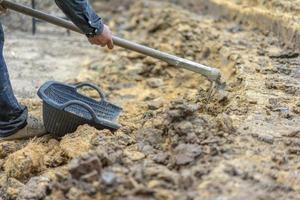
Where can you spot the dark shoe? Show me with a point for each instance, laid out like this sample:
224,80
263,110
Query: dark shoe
34,128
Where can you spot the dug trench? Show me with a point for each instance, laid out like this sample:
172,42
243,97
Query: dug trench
175,143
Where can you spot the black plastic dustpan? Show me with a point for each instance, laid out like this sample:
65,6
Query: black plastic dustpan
64,108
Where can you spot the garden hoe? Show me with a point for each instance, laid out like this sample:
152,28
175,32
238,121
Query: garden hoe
212,74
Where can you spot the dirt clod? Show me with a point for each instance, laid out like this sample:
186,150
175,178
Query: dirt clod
26,162
86,166
11,188
155,82
36,188
186,153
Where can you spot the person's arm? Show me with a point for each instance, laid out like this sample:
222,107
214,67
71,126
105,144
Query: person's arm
84,17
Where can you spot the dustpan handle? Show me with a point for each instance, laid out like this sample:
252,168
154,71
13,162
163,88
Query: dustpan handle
86,84
83,105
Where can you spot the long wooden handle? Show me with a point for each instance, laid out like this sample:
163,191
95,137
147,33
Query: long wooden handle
211,73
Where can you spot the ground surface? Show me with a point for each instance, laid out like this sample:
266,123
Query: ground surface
175,143
33,60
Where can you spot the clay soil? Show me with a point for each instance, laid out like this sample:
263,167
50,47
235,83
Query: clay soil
177,141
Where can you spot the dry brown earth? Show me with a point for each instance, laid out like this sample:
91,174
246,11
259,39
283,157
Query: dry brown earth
175,143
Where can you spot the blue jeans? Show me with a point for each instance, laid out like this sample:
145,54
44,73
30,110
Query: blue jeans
13,116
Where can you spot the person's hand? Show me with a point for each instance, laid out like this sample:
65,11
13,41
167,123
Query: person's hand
103,39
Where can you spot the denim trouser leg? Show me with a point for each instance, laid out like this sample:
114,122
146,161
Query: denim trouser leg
13,116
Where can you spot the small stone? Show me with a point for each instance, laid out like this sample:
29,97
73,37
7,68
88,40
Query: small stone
150,136
161,158
186,178
295,133
134,155
266,138
221,96
155,82
206,52
225,123
36,188
150,97
7,148
279,159
90,177
2,165
181,109
184,127
294,150
274,52
124,139
75,193
126,130
155,184
149,61
108,178
147,149
155,104
83,166
95,66
296,108
10,188
186,153
283,54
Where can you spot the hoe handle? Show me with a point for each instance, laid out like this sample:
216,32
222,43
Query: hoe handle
211,73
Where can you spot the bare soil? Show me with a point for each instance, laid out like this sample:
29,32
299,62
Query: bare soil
175,142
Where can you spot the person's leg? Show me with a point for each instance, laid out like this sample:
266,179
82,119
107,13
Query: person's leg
13,116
